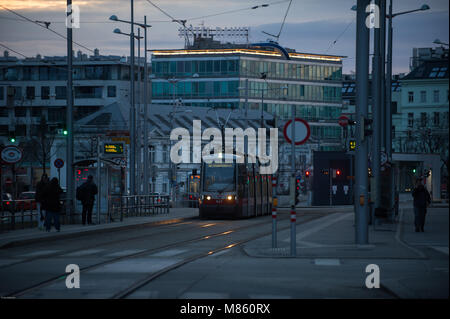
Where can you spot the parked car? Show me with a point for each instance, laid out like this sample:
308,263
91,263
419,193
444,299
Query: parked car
26,201
7,202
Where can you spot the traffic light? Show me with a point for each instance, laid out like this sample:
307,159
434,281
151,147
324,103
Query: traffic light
336,173
367,128
12,136
307,173
351,145
297,190
414,170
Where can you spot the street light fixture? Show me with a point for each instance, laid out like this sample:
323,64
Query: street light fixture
133,107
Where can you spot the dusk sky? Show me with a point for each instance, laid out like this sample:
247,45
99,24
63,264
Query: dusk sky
311,25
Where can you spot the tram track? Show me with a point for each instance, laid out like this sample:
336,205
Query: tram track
147,279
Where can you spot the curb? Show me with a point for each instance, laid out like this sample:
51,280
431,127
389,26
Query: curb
87,232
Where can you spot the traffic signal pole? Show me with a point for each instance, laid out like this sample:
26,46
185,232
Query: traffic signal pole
376,113
362,86
293,211
70,180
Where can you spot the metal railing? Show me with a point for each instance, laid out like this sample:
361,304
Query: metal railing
120,207
19,211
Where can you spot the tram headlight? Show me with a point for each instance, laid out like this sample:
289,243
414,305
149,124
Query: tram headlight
230,197
208,197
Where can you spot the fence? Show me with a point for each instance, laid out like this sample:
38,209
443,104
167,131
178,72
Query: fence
136,205
19,211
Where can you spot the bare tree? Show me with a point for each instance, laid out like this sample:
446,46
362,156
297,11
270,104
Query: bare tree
39,146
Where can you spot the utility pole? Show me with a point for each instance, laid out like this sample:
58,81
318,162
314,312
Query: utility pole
293,211
69,117
132,110
362,79
376,113
146,192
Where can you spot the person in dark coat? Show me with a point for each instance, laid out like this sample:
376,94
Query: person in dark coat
86,193
38,197
421,200
52,204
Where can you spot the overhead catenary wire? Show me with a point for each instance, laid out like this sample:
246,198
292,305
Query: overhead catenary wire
46,28
340,35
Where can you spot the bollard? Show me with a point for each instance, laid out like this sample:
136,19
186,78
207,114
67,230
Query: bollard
293,233
274,212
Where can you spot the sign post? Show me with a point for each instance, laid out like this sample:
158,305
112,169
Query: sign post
299,133
59,163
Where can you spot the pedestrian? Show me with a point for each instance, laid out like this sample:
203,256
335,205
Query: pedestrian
39,192
86,194
421,200
52,204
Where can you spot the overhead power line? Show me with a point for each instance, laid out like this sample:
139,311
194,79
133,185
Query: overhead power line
46,28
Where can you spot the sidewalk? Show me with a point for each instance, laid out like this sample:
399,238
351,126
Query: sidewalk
413,265
29,235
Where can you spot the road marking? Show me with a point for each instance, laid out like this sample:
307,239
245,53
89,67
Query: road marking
84,252
441,249
204,295
168,253
327,262
40,253
125,252
136,265
330,220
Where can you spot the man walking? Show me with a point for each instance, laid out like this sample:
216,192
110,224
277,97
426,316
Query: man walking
86,194
421,200
39,198
52,204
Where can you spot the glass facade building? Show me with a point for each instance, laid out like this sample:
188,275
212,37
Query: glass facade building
248,78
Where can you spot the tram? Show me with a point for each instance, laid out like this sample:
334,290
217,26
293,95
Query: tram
229,189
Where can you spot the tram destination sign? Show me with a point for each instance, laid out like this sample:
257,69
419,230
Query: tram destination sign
113,148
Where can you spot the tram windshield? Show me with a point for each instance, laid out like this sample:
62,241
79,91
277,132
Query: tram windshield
219,177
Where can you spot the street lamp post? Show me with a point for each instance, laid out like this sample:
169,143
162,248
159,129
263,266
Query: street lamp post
132,93
388,118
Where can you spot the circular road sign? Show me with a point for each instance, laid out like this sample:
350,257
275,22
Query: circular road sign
58,163
302,131
12,154
343,120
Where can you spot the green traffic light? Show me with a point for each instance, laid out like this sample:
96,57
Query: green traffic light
65,132
12,140
414,170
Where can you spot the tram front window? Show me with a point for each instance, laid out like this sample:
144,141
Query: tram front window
219,177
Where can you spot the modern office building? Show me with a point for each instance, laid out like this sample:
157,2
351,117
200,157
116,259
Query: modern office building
211,74
33,91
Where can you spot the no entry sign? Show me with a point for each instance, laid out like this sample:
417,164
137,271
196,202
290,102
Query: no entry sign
343,120
302,131
58,163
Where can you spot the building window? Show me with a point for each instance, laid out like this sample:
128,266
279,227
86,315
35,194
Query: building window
423,119
2,94
394,107
20,112
36,112
436,118
152,154
436,96
410,119
45,92
423,96
411,97
88,92
61,93
111,91
30,93
164,188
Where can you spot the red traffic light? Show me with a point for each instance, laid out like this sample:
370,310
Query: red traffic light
307,173
338,172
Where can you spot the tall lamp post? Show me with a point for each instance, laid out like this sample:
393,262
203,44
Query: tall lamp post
388,120
132,94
